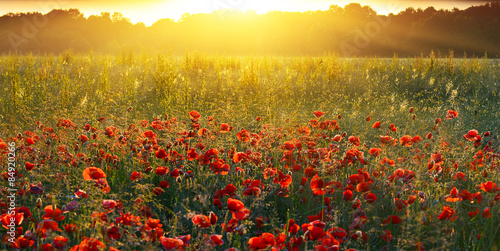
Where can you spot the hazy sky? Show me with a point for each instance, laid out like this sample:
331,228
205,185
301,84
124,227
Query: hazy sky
148,11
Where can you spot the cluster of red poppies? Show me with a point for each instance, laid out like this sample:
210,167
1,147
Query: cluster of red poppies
315,170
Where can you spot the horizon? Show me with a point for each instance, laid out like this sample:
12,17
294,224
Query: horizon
152,11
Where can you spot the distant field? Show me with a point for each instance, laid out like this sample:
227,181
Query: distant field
225,151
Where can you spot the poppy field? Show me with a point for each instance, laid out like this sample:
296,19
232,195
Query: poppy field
213,152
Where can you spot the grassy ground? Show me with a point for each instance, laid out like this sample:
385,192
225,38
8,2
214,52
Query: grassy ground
274,99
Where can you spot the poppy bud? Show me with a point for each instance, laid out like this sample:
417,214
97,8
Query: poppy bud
39,202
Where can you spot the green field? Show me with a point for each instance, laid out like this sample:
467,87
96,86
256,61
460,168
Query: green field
129,115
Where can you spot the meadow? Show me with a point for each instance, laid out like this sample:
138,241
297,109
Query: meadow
216,152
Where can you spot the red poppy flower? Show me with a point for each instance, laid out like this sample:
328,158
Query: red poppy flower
109,205
486,213
406,140
161,154
466,195
136,175
451,114
192,154
161,170
489,187
175,173
128,219
337,138
194,115
472,214
318,114
284,180
60,242
392,127
472,135
388,140
158,191
370,197
36,189
234,204
388,162
478,197
242,214
6,219
70,228
215,240
113,232
204,132
447,213
403,175
47,247
164,184
93,173
252,191
243,135
411,199
51,213
453,196
376,125
256,243
459,176
83,138
172,243
429,135
103,185
387,236
347,195
317,185
354,140
89,244
23,242
315,230
201,221
29,166
292,227
224,128
240,156
374,151
368,118
393,219
45,226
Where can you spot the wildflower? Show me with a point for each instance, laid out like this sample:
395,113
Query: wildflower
318,114
93,173
451,114
447,213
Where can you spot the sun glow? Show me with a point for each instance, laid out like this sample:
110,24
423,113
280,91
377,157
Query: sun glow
150,11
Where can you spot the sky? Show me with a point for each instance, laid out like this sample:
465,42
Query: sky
149,11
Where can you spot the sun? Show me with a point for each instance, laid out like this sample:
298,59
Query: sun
260,6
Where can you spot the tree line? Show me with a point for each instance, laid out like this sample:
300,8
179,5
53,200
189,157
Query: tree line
353,30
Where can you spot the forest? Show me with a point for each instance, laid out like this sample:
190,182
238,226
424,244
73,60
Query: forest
351,31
